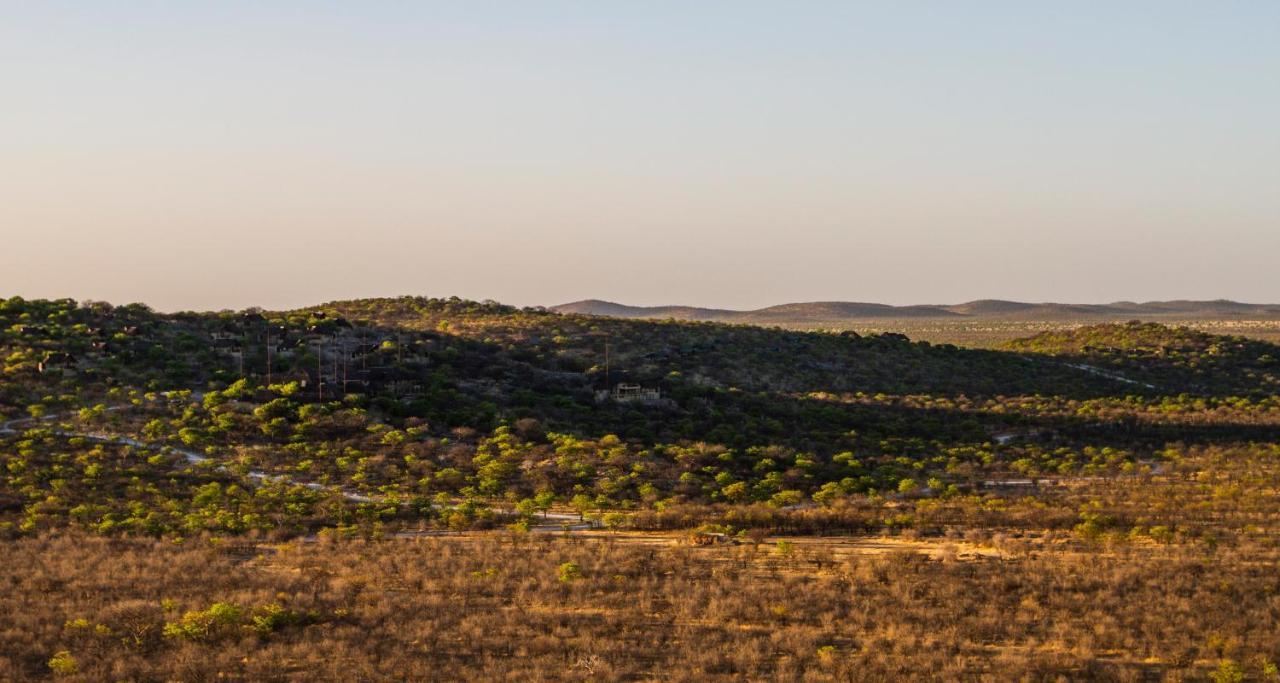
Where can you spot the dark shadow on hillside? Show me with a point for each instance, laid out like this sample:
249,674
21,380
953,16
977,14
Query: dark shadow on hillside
720,383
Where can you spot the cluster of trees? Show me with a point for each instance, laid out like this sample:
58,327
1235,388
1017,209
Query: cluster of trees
1226,410
50,482
1173,359
502,415
344,444
729,356
1197,494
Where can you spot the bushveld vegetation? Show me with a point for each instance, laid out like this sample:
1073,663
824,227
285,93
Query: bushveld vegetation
362,490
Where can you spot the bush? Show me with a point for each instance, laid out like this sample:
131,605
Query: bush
63,664
569,571
220,619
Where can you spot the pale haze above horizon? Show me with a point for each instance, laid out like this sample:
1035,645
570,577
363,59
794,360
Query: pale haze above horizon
723,154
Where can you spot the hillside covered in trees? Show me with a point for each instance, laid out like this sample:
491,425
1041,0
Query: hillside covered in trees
448,400
395,420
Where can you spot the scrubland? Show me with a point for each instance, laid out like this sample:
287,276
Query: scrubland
420,489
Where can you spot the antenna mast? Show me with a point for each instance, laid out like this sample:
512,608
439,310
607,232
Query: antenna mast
268,353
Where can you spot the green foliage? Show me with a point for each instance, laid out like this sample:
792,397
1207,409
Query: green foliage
1227,672
1174,359
568,572
219,620
494,407
224,619
273,617
63,664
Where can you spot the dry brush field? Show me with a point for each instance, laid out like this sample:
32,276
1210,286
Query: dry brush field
1101,602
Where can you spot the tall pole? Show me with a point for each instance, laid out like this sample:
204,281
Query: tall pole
320,369
268,353
607,383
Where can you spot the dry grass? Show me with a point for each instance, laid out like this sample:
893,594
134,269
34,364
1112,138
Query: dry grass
492,606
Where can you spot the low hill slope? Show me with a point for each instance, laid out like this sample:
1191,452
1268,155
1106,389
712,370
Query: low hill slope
822,311
464,399
712,354
991,307
1174,358
614,310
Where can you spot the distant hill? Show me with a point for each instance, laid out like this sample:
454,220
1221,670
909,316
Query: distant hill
839,310
834,311
612,310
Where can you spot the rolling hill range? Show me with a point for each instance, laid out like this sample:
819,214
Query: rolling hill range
986,309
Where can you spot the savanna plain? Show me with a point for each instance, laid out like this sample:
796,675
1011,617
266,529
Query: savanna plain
439,489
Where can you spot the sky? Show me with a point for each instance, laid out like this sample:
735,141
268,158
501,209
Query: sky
733,154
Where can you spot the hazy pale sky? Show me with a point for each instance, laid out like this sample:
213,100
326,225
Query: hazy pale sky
228,154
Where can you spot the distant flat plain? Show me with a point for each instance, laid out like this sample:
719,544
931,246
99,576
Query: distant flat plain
980,324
